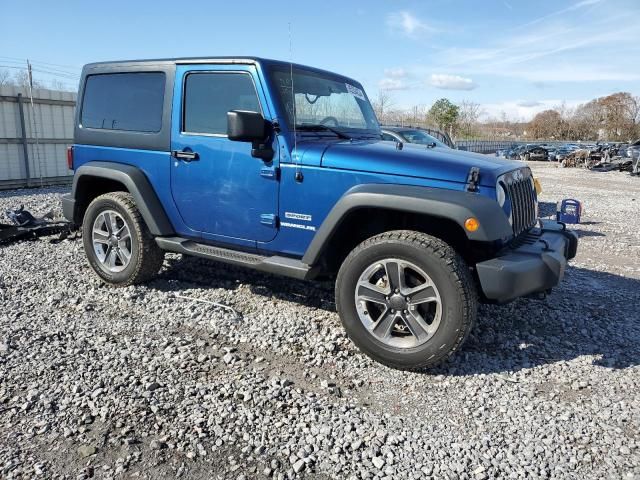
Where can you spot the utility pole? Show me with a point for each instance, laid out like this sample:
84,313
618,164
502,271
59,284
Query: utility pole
35,123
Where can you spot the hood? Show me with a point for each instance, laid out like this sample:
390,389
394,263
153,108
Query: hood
414,161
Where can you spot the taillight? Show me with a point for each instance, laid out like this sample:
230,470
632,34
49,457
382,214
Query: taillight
70,158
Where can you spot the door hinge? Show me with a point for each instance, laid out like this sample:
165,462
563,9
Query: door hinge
269,219
270,172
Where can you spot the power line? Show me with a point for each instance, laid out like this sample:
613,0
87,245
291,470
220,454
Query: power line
74,67
44,68
55,73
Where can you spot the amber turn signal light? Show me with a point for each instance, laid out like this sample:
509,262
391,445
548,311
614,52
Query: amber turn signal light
471,224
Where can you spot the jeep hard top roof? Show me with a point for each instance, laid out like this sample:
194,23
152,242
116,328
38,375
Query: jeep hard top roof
165,62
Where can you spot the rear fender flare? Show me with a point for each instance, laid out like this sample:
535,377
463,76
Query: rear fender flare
136,183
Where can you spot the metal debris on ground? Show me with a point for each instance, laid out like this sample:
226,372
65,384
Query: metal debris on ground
25,226
209,302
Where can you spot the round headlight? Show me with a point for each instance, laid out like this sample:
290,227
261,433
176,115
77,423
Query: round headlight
501,194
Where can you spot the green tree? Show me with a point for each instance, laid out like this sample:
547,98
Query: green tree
444,114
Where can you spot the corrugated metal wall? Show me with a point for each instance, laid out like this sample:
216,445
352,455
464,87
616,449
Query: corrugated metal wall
52,117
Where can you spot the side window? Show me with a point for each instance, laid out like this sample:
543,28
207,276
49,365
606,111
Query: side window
124,101
389,138
209,96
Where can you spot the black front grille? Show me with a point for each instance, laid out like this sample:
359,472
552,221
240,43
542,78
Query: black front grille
522,195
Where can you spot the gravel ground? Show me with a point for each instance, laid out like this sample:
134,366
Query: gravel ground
152,381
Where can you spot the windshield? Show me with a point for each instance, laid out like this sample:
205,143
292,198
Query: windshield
420,137
326,100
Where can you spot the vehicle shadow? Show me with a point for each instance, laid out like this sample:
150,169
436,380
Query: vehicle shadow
591,314
587,233
185,271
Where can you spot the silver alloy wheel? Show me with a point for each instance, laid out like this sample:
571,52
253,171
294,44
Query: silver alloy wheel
398,303
111,239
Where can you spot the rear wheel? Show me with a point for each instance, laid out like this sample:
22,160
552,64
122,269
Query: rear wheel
117,242
406,299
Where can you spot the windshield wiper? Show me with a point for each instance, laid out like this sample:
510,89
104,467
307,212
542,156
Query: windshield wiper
322,128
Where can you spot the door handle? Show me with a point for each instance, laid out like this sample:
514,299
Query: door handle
185,155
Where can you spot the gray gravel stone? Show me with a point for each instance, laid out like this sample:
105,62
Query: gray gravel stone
149,382
86,450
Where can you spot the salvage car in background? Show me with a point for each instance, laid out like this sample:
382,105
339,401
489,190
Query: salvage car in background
411,135
534,152
559,153
634,150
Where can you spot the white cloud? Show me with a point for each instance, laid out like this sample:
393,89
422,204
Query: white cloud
556,52
396,78
451,82
570,8
393,84
408,24
529,103
396,72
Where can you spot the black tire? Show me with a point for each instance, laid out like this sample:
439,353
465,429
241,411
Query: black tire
448,272
146,257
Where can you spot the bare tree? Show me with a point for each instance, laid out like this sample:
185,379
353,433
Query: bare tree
5,78
382,105
21,80
546,125
468,115
56,84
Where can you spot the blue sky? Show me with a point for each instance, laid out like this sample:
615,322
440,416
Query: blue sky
515,56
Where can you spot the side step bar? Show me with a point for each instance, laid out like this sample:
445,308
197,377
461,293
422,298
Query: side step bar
289,267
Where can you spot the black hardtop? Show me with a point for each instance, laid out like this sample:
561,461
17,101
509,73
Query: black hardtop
146,64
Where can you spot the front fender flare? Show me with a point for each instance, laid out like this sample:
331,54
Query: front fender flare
450,204
138,185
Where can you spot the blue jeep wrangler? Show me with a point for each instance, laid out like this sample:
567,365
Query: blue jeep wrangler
282,168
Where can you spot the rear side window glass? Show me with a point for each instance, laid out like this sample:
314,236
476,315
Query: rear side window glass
209,96
124,101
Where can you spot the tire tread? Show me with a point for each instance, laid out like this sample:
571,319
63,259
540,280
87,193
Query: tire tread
460,274
151,256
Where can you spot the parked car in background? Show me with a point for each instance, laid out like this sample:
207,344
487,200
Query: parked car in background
514,153
621,150
504,152
559,153
533,152
411,135
633,151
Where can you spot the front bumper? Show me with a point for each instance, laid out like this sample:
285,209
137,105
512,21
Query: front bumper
535,265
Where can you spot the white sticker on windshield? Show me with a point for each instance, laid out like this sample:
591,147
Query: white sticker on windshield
355,91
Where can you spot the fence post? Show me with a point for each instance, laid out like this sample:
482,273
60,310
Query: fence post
25,149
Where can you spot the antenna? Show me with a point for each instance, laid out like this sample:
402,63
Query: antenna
298,174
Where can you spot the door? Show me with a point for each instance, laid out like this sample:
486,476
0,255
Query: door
219,189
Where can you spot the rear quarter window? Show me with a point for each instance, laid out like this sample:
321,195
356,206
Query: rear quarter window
124,101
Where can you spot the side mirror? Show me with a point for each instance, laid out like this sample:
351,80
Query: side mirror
244,126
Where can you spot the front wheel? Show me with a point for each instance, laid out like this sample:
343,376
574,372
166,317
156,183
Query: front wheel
406,299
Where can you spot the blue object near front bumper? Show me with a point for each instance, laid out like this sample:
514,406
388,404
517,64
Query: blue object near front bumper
536,264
